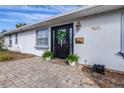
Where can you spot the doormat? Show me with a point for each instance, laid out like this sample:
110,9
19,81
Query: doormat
59,61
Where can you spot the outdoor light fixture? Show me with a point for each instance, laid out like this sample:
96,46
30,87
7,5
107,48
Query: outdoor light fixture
78,25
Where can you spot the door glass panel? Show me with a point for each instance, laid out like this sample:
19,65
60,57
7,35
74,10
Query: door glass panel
61,36
71,39
53,39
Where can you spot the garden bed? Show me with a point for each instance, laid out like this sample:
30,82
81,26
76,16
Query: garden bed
11,56
111,79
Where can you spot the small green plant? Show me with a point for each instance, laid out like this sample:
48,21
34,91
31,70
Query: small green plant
72,58
4,57
47,54
1,46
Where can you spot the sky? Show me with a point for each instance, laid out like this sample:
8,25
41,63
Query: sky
11,15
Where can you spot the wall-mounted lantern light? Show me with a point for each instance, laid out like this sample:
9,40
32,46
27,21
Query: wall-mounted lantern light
78,25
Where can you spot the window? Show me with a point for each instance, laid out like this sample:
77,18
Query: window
42,37
10,39
16,38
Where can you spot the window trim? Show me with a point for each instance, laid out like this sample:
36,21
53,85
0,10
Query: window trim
42,46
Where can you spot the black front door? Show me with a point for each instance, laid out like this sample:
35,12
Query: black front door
62,40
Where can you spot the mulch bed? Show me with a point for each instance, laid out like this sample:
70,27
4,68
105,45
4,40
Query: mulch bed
17,55
109,80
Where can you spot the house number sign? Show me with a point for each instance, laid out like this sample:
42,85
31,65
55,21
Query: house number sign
96,27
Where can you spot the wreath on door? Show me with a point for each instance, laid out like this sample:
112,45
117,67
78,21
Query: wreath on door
61,36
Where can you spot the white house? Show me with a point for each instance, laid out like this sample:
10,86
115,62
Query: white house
95,33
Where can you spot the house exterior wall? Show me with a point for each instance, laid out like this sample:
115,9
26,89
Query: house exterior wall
13,47
102,45
26,43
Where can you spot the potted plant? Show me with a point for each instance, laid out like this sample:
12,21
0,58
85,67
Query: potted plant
47,55
72,59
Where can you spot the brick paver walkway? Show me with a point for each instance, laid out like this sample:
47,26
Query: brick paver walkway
33,72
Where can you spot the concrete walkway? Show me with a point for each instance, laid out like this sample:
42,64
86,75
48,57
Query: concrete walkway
35,73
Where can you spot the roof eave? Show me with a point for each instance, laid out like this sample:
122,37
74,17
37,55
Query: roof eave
60,16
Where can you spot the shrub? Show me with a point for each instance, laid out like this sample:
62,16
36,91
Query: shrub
4,57
1,46
47,54
72,58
